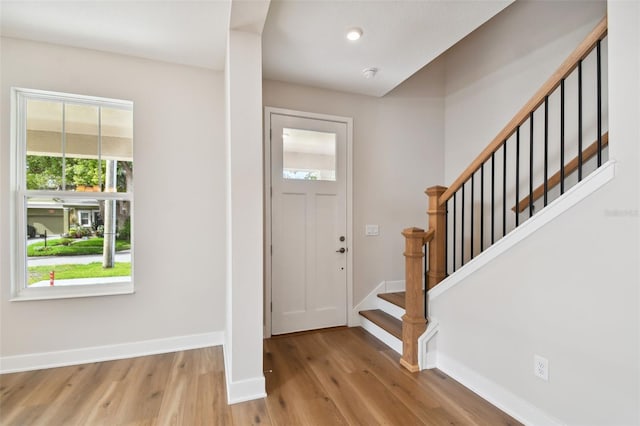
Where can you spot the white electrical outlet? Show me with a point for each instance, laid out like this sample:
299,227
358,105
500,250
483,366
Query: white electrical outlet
541,367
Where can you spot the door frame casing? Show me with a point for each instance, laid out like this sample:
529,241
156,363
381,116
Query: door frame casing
268,112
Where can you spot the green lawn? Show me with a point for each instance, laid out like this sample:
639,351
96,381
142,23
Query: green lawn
66,272
72,247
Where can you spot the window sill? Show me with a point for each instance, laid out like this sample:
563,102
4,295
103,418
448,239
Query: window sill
74,291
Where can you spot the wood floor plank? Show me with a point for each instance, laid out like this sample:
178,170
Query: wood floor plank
75,397
454,402
340,376
143,388
296,398
400,382
251,413
335,377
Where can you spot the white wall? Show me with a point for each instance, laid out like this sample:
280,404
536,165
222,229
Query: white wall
398,152
495,70
179,202
491,75
570,292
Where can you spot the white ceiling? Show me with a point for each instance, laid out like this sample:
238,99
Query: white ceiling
180,31
303,41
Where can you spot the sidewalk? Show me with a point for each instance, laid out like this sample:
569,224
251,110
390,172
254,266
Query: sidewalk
83,281
122,256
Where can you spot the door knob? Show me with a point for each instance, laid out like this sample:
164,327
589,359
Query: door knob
341,250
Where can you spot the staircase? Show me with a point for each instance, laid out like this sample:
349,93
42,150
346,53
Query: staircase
495,196
385,322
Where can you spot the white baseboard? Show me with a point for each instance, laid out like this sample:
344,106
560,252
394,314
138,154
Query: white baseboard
38,361
242,390
571,197
497,395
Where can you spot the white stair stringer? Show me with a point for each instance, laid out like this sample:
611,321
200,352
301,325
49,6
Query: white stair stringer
372,301
571,197
427,349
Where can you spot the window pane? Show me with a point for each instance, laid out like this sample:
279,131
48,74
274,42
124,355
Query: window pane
117,147
308,155
82,147
74,248
44,145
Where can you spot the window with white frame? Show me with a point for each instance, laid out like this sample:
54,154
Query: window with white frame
73,190
85,218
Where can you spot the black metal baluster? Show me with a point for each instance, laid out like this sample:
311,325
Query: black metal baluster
446,238
504,188
546,148
562,136
471,230
493,200
426,271
599,102
455,215
517,176
579,121
531,164
462,229
482,208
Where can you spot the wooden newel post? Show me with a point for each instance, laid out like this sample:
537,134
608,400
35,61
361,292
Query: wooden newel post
413,321
437,246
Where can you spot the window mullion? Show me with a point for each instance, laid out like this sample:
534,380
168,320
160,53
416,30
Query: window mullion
64,147
100,146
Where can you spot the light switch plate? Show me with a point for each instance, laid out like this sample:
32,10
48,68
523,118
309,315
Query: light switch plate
372,230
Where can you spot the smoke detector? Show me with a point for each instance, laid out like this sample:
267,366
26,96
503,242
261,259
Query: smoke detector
369,72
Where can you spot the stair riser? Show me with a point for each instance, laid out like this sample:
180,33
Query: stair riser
388,339
390,308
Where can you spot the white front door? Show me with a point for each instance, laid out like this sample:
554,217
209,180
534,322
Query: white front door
308,223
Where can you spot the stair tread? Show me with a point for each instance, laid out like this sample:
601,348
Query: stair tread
385,321
396,298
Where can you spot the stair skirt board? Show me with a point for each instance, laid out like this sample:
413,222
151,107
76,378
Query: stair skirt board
572,196
427,346
386,337
371,300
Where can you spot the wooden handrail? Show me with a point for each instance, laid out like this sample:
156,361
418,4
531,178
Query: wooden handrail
549,86
428,236
570,167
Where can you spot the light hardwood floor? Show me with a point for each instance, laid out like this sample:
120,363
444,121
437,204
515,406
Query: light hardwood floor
332,377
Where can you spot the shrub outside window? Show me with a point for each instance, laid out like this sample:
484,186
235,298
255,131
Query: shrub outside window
73,195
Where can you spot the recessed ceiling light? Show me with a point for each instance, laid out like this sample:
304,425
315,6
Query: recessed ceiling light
354,34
